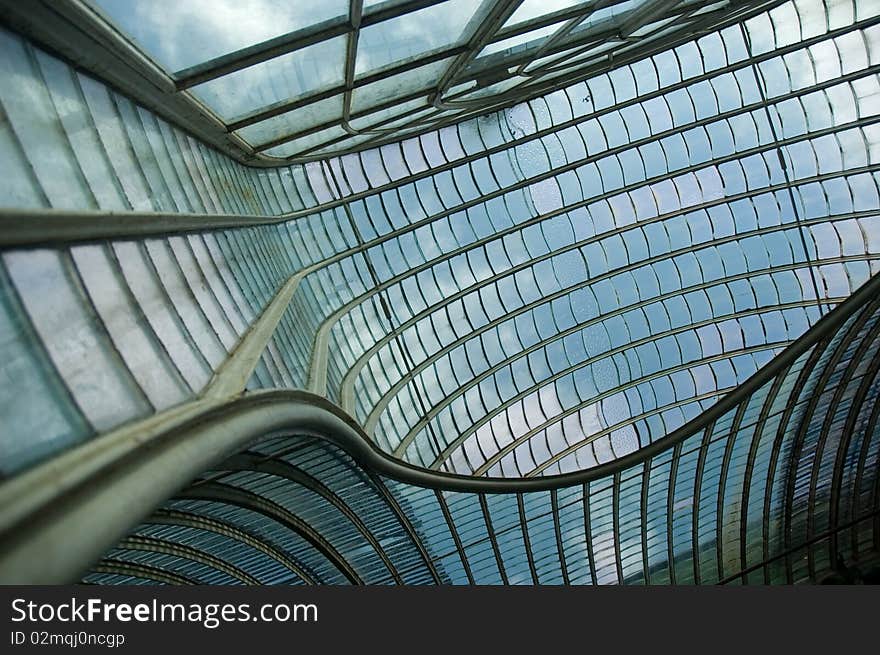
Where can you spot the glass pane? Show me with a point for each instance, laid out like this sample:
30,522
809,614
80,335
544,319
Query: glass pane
532,37
606,15
566,60
182,34
497,87
297,120
413,34
280,79
407,108
309,141
651,27
535,8
33,399
398,85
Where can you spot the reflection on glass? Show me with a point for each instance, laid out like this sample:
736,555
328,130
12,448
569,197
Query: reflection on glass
291,75
605,15
306,142
536,8
533,38
384,115
296,120
413,34
179,34
397,86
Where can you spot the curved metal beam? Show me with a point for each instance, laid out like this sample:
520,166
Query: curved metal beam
249,461
184,551
858,482
750,463
165,516
858,362
407,525
811,361
86,500
456,538
800,432
143,571
233,495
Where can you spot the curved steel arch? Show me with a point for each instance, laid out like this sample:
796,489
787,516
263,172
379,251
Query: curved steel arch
274,467
142,571
196,522
233,495
146,469
182,551
204,298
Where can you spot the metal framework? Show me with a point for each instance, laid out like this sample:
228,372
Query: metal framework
532,537
352,81
603,318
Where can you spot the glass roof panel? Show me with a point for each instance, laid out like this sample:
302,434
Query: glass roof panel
605,14
398,86
627,209
306,142
358,139
534,291
276,80
652,27
413,34
575,56
297,120
178,35
532,38
530,9
494,89
386,114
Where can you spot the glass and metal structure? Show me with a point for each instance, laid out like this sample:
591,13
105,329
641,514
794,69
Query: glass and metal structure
300,81
452,292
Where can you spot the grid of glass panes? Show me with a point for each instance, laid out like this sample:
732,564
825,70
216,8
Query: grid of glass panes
746,497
